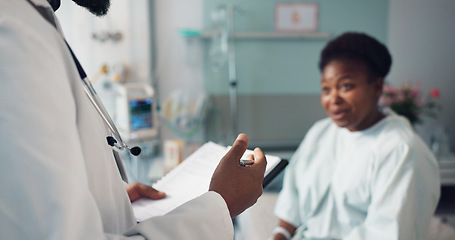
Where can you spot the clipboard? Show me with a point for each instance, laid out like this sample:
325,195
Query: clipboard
275,171
192,177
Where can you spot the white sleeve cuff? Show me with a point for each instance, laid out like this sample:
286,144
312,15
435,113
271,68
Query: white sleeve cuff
282,231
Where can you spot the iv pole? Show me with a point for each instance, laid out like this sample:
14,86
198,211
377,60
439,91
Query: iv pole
232,66
226,31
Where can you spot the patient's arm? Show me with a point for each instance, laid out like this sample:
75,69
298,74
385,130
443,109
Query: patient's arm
289,227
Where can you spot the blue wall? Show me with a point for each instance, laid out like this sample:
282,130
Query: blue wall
288,66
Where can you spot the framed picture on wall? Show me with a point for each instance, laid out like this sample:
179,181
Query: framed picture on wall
296,17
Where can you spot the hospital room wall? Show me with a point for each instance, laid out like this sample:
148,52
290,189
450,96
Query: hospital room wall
421,38
132,51
287,66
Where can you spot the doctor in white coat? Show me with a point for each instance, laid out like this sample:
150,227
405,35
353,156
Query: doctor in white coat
58,177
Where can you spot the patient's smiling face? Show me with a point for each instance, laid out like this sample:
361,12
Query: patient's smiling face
349,94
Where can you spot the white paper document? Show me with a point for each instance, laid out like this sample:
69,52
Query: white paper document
188,180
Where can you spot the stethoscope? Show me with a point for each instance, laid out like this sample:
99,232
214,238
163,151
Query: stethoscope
92,95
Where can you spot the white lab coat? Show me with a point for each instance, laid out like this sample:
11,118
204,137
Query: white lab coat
58,178
378,183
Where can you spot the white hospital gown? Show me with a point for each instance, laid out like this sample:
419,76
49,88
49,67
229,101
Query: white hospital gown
379,183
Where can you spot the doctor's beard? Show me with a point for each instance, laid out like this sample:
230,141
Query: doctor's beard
97,7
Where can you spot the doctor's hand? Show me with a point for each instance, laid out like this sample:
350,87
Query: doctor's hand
139,190
239,186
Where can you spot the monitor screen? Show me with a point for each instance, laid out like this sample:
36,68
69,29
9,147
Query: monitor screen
141,114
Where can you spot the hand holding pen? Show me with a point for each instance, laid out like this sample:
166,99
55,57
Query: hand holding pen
239,186
246,162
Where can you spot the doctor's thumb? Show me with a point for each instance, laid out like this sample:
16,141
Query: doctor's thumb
238,149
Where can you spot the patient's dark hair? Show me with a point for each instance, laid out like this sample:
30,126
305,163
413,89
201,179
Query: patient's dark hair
358,47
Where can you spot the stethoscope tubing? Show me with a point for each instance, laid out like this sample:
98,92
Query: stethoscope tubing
93,97
96,102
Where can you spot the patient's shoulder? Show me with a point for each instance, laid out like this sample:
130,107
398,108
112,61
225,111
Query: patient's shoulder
322,125
396,129
398,137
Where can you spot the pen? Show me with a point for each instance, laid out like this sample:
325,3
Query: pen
245,162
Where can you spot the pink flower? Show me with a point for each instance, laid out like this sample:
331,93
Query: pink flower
407,101
434,92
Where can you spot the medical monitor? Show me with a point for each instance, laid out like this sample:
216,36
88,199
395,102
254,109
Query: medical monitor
136,114
141,114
